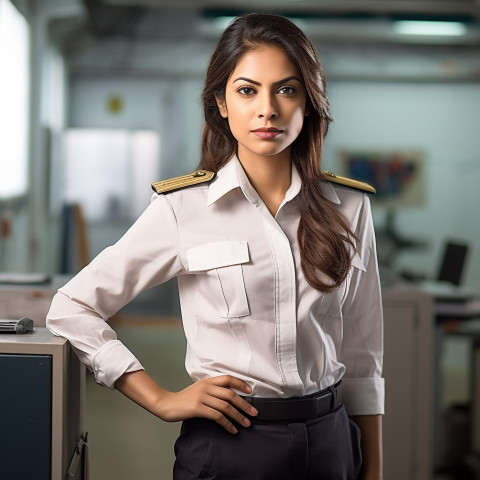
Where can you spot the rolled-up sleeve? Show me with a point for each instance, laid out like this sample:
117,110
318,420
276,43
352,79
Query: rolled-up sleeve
363,389
145,256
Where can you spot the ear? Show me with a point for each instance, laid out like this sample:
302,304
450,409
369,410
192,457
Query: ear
222,106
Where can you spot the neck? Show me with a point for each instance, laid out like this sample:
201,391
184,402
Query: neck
270,176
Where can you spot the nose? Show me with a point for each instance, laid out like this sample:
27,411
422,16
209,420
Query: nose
267,107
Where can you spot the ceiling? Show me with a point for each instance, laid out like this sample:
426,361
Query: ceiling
140,17
441,7
355,38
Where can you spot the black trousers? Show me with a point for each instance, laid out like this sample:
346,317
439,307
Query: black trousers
323,448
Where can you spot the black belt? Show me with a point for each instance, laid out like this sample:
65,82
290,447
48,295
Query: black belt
296,408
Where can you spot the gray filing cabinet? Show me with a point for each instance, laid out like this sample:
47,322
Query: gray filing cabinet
42,390
408,424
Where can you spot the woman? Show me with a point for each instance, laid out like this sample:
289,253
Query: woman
277,276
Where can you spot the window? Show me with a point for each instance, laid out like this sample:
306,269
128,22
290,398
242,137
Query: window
109,172
14,101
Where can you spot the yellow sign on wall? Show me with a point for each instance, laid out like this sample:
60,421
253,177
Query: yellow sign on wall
115,104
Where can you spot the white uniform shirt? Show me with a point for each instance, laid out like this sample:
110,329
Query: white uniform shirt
247,310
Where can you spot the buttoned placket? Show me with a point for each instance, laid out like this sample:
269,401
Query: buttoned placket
285,310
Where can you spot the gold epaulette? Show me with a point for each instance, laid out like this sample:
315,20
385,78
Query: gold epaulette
165,186
331,177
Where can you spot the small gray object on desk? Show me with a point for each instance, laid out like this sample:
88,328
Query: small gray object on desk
23,325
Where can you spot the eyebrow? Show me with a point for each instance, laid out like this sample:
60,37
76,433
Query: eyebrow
284,80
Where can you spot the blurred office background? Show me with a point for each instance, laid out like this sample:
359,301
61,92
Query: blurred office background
100,98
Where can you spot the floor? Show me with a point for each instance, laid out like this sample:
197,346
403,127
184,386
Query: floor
127,442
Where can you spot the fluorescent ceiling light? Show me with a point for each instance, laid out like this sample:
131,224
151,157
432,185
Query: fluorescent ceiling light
443,29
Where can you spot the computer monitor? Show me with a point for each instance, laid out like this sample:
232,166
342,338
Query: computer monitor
453,262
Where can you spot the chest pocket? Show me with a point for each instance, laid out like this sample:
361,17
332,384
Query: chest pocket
223,260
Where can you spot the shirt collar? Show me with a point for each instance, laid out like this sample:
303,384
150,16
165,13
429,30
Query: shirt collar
295,186
232,176
330,193
225,181
247,188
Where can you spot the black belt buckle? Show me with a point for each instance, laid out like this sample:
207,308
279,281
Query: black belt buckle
326,402
333,401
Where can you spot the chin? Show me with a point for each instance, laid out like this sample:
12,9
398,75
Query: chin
271,150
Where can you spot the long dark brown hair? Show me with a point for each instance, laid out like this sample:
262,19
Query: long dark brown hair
326,242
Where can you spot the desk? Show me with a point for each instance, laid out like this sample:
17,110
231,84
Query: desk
458,310
457,319
43,389
29,299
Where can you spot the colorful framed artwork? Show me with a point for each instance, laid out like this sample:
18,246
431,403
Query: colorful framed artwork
398,175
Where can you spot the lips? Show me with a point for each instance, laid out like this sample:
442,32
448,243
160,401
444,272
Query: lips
267,133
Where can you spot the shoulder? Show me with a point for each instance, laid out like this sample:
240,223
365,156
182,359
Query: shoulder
177,183
351,198
348,182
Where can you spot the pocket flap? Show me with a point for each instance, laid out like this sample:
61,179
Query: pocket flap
217,254
356,262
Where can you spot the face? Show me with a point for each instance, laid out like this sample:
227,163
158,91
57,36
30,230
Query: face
265,102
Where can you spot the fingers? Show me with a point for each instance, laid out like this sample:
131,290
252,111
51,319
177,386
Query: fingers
226,404
234,399
232,382
211,398
222,420
222,413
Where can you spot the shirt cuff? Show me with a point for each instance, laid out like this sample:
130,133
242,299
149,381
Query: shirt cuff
363,396
112,361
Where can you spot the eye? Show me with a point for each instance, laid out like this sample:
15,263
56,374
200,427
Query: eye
288,91
246,91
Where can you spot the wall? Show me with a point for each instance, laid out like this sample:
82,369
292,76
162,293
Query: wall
167,105
441,119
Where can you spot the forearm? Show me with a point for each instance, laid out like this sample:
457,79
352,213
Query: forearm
212,398
371,428
143,390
